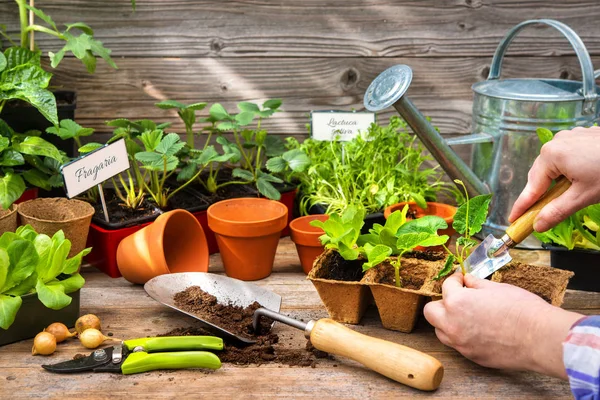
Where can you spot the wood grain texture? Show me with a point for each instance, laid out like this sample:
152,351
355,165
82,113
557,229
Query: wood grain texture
127,312
441,87
313,28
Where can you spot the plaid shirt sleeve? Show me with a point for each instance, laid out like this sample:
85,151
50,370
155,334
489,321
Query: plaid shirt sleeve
581,355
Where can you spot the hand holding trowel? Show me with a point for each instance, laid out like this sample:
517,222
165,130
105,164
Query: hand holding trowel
492,253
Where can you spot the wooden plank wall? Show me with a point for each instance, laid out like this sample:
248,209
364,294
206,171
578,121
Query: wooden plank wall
314,54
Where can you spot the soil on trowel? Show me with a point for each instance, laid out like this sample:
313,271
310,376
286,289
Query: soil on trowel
267,349
336,268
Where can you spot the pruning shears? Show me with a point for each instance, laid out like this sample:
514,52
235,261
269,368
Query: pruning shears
148,354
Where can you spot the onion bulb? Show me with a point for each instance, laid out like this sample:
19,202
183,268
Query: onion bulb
60,331
86,322
44,343
92,338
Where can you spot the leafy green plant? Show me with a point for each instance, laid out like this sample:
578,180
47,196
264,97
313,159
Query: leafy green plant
35,263
581,230
379,168
26,158
69,129
342,231
21,74
399,236
187,113
468,221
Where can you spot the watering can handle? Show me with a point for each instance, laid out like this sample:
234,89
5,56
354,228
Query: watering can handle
587,70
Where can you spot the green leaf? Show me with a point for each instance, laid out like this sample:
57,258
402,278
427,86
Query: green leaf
196,106
419,199
376,255
150,159
448,266
428,223
3,62
218,112
396,219
41,15
297,160
477,209
37,178
69,129
52,294
242,174
348,253
272,104
466,242
11,188
89,147
244,118
81,26
274,145
18,55
248,107
73,283
36,146
408,241
545,135
276,164
22,259
11,158
170,145
266,188
186,173
170,104
57,257
227,126
9,307
5,269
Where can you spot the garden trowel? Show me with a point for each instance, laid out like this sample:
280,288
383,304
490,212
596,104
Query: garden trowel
492,254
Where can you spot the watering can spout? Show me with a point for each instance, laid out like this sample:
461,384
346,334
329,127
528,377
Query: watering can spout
388,90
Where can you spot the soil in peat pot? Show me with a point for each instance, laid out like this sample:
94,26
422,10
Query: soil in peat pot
342,270
267,349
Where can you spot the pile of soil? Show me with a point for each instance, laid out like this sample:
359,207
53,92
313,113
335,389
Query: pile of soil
336,268
267,349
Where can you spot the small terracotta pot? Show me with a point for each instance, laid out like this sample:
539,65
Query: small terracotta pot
442,210
306,238
8,219
175,242
345,300
247,232
49,215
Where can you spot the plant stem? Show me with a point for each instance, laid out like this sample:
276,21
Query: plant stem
190,136
24,21
39,28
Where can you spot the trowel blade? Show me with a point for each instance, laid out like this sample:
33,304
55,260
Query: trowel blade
481,263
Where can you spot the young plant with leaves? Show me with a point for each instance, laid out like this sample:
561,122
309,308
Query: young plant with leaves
399,236
26,158
35,263
21,74
342,231
468,221
187,113
69,129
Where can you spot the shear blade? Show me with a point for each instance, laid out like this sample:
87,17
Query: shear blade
481,264
88,363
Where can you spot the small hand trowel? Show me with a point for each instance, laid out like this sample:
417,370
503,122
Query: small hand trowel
492,254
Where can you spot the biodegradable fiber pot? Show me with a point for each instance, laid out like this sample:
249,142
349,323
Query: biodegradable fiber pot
306,238
338,283
175,242
49,215
247,232
8,219
400,307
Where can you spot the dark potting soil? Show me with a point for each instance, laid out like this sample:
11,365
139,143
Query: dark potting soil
336,268
238,320
428,255
119,213
187,201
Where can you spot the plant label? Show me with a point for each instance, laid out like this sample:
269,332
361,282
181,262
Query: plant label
95,167
339,125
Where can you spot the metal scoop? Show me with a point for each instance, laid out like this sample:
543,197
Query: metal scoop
227,291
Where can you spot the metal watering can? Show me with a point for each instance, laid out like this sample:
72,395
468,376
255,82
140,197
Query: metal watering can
506,113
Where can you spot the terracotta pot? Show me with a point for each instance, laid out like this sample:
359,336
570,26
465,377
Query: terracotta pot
49,215
247,232
175,242
306,238
442,210
400,307
8,219
547,282
345,300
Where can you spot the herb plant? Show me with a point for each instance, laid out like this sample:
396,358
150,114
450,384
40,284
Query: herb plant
468,221
32,262
380,168
21,74
342,231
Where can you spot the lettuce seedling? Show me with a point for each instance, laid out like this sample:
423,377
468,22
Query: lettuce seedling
468,221
399,236
342,231
32,262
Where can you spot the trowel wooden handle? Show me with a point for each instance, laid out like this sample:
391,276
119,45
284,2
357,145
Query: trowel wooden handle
397,362
523,226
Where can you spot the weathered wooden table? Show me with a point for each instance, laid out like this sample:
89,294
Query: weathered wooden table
128,312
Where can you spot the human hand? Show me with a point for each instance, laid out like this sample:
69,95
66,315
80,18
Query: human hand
574,154
500,326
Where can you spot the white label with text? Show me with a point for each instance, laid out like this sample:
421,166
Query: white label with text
343,126
95,168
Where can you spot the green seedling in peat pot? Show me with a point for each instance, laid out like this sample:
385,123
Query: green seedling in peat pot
342,231
468,221
399,236
35,263
187,113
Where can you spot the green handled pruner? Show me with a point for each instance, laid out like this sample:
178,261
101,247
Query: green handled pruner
148,354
